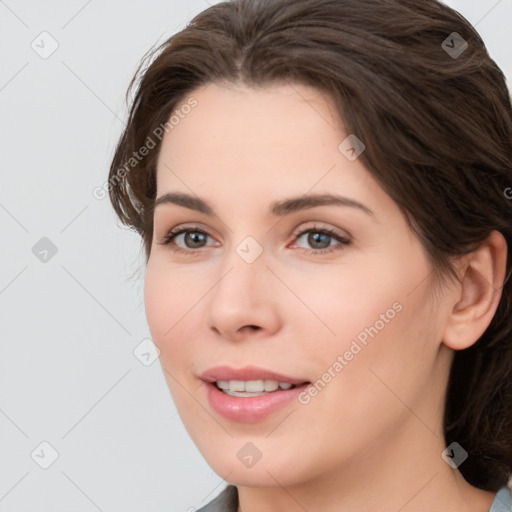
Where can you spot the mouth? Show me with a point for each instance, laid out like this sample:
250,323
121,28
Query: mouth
250,388
250,394
250,379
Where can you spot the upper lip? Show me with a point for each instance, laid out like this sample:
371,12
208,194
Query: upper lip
247,373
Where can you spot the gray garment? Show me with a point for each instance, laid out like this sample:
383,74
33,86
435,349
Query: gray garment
227,501
502,501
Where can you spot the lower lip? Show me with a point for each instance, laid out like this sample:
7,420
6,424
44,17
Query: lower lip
250,409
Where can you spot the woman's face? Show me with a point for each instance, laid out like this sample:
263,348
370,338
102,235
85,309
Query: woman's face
274,276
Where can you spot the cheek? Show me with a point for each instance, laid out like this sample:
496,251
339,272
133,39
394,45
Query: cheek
169,298
159,303
389,353
374,316
340,304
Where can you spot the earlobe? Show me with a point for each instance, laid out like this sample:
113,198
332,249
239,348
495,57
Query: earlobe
478,294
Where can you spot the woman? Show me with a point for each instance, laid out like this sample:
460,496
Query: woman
320,187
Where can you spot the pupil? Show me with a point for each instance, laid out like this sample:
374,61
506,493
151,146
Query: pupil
195,238
315,238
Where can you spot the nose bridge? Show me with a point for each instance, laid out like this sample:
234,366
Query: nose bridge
240,297
243,268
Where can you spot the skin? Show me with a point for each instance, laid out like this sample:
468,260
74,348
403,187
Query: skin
372,438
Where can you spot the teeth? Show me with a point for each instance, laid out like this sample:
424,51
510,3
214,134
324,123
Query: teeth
251,386
271,385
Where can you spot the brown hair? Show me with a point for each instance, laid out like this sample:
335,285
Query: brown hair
437,125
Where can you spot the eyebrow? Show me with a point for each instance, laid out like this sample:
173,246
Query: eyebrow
277,208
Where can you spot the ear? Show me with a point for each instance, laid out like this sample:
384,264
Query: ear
477,296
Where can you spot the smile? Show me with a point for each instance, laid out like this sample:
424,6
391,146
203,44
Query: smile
251,387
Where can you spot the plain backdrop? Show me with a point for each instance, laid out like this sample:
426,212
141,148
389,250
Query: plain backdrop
86,423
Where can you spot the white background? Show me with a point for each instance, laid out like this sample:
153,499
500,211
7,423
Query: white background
69,326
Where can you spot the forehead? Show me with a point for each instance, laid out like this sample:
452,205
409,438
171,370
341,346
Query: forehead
259,144
242,123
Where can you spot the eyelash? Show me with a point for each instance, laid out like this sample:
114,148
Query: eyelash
171,235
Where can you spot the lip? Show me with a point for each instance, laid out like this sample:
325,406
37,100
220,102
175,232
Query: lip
247,373
249,409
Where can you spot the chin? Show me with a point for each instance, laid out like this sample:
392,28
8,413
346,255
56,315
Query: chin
270,471
252,477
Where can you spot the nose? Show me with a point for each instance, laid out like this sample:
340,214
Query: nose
244,301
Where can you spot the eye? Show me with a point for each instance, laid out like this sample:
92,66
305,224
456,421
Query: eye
191,238
320,239
186,239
